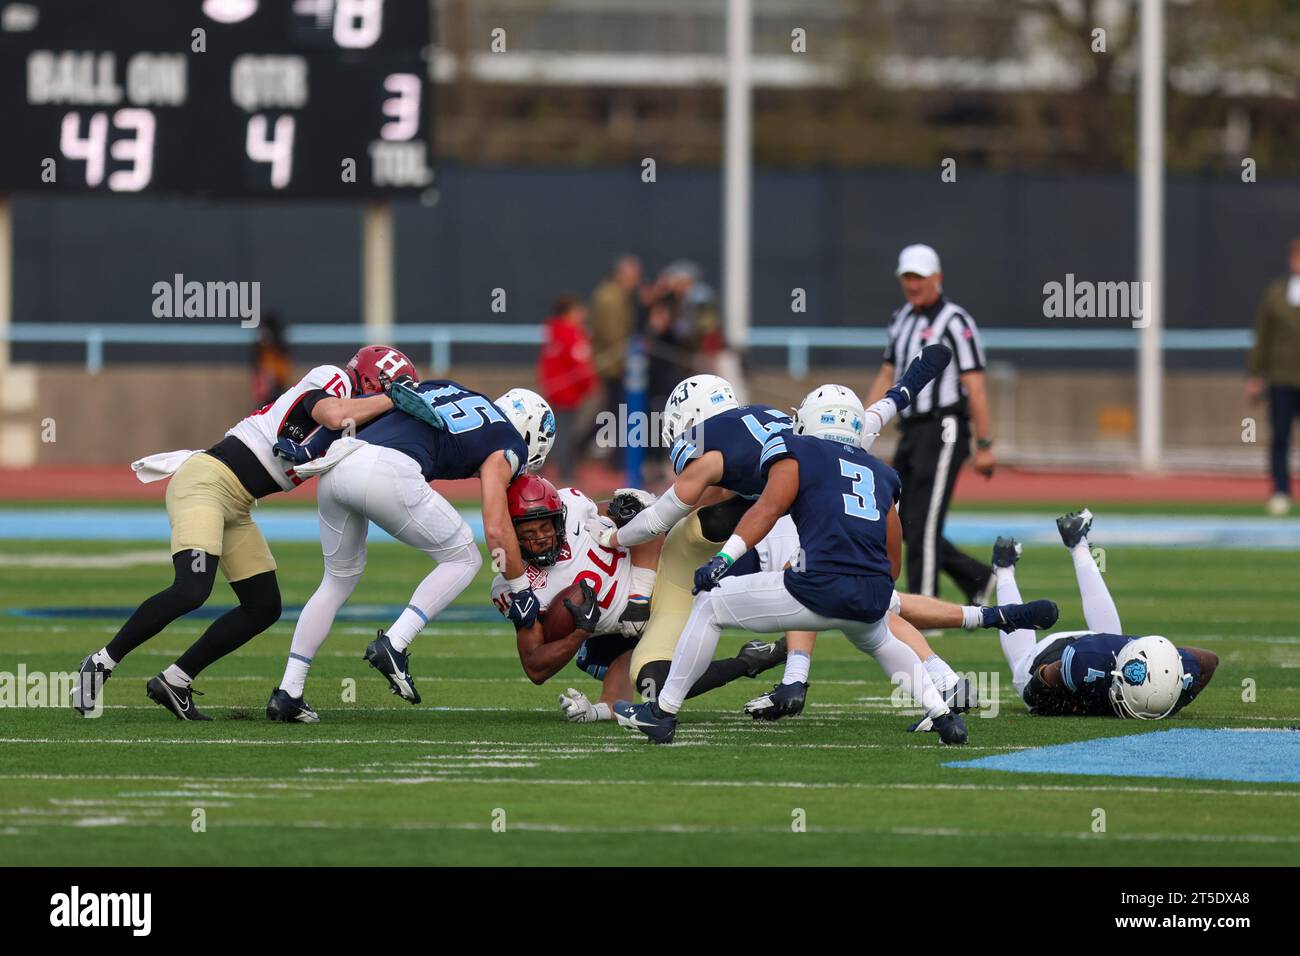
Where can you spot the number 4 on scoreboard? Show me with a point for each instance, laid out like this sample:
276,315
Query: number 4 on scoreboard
278,150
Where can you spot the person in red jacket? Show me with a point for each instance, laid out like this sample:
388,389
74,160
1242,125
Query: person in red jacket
567,376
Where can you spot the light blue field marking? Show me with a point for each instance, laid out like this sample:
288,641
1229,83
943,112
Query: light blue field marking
150,524
976,532
1255,756
456,614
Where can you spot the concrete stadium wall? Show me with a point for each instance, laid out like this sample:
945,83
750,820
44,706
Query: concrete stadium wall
64,415
536,232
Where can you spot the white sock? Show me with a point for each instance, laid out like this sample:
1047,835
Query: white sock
1018,643
643,581
1099,611
695,649
314,624
944,677
904,668
101,658
177,677
797,664
439,588
878,416
295,675
971,618
603,712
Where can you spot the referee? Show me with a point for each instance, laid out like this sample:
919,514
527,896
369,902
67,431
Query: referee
937,426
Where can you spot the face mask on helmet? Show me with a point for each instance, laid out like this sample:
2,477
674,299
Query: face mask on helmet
531,498
365,366
1148,679
695,400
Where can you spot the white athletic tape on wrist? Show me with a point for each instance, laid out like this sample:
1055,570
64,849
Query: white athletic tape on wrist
735,548
655,520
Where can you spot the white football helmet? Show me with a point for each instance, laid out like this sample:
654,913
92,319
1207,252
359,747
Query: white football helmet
533,419
692,401
832,412
1147,680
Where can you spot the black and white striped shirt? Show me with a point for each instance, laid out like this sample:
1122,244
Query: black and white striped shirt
942,322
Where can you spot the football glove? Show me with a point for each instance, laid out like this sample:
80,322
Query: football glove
627,503
601,530
407,399
577,708
708,575
523,609
586,616
291,451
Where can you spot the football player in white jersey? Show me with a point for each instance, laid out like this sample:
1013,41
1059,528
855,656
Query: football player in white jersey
209,500
554,534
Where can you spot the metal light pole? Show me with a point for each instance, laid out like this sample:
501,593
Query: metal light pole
736,174
1151,229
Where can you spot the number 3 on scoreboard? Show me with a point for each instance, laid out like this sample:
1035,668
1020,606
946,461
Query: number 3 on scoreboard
278,150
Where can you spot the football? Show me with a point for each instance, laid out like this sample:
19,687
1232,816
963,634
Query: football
557,622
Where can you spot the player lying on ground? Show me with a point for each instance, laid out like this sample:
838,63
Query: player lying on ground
715,451
609,614
1100,672
209,501
382,475
837,495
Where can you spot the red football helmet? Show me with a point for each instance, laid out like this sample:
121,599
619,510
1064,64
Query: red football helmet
366,365
530,497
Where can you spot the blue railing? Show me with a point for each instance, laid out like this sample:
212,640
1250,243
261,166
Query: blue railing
797,341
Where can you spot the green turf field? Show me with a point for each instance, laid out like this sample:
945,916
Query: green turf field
379,781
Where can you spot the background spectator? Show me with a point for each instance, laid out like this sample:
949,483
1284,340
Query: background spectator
568,379
613,320
1274,367
272,369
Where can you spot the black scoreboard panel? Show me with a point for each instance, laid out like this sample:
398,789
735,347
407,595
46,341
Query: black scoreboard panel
117,96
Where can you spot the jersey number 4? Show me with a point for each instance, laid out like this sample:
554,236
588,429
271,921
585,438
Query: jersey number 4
862,502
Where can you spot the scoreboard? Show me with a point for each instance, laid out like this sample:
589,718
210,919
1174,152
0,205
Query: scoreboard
228,98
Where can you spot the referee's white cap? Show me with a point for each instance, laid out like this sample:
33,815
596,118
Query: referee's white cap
919,259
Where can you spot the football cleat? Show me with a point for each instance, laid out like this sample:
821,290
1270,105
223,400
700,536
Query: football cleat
290,710
659,726
179,700
923,370
1035,616
962,697
1006,552
1074,527
90,684
760,655
950,729
783,700
394,665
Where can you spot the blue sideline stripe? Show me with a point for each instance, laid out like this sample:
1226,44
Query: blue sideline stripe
1253,756
976,532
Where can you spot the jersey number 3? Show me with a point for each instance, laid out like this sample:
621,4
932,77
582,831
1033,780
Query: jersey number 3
862,502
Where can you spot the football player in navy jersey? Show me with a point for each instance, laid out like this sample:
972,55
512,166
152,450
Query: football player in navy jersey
842,502
716,444
1100,672
382,475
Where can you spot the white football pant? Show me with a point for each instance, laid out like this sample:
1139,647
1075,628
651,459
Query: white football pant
762,604
384,486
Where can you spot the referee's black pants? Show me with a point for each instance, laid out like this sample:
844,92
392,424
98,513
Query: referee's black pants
928,467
